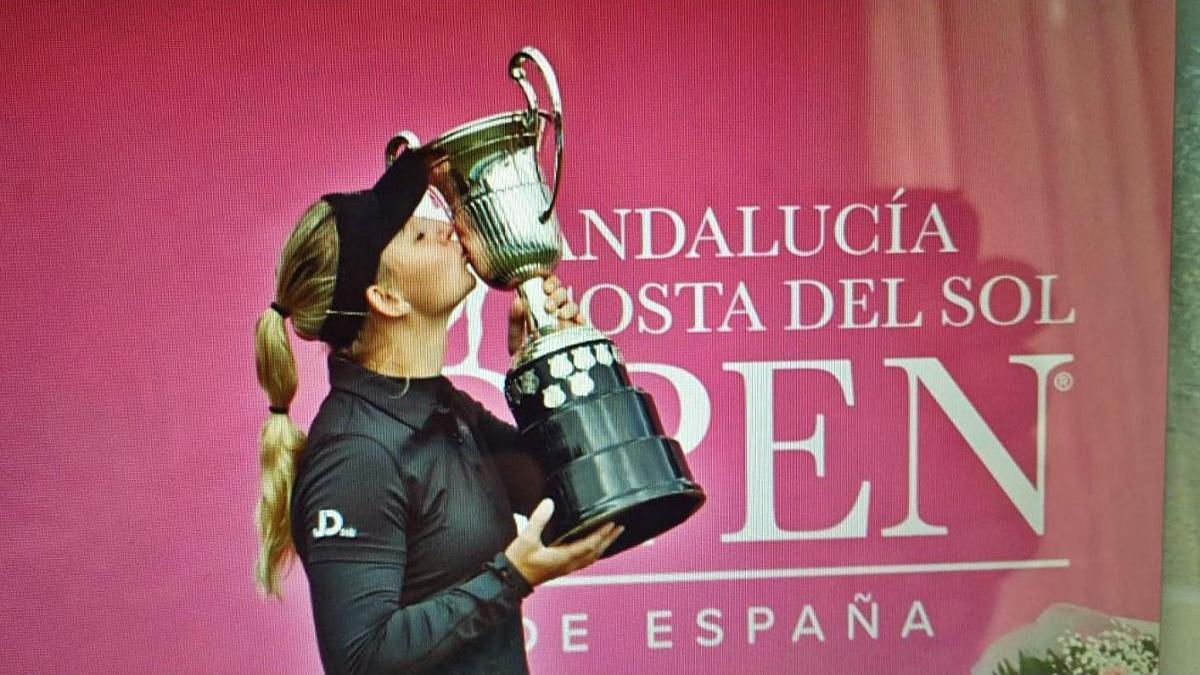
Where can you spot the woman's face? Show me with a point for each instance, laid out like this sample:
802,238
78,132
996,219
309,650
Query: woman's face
427,264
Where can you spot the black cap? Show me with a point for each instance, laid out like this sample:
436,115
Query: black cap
366,222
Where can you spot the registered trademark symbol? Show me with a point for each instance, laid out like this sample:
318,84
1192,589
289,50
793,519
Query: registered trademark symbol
1064,381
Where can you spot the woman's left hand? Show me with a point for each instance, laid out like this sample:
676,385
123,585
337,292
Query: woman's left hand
558,303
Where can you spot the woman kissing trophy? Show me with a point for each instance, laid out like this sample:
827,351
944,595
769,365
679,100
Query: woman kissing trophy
598,438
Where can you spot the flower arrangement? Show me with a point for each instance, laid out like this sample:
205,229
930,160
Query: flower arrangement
1119,650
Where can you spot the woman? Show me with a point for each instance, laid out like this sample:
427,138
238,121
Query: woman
393,502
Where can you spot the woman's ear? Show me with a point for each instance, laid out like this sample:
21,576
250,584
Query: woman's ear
388,302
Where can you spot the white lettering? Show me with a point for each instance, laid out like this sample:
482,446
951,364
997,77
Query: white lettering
917,619
761,446
679,231
569,632
593,221
807,624
758,619
654,629
718,634
1028,497
329,523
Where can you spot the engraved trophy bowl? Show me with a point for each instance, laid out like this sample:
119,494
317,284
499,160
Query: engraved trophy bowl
598,438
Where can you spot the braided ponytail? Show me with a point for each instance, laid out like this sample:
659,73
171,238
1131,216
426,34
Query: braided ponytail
304,286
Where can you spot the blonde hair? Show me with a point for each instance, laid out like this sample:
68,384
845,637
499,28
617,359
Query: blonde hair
304,284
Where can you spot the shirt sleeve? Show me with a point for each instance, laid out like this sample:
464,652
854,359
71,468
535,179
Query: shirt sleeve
522,474
355,530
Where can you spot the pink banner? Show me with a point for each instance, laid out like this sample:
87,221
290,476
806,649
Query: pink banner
895,273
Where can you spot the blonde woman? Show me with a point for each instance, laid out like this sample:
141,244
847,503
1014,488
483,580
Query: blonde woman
399,500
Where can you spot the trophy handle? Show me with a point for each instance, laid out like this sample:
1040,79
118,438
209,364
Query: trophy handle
401,141
516,70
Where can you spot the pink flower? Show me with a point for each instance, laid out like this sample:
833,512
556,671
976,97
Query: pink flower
1113,670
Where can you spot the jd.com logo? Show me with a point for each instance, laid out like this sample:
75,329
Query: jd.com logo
329,523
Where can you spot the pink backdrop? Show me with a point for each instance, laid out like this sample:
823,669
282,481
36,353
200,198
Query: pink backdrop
156,157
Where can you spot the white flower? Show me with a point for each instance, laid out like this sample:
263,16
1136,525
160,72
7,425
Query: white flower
581,384
604,356
560,367
553,396
583,357
1118,651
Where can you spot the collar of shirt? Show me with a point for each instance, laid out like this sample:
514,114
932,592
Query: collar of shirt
413,405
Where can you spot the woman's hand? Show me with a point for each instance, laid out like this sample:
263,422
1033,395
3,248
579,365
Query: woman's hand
539,563
557,303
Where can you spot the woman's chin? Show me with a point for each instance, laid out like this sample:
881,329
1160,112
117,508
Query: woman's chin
469,284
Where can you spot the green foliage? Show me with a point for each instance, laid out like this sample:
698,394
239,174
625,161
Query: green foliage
1051,664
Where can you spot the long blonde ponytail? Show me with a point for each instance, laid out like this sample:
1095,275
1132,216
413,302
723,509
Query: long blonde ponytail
304,286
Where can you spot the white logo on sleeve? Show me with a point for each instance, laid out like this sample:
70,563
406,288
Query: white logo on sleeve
329,523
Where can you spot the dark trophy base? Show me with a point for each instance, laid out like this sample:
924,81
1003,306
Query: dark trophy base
599,440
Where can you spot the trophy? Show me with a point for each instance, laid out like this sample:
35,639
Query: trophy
598,438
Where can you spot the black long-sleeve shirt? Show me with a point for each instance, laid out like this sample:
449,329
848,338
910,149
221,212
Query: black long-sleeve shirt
401,510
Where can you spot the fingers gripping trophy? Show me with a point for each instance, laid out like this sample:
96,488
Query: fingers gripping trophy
598,438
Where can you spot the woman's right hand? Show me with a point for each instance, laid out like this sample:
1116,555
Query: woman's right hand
539,563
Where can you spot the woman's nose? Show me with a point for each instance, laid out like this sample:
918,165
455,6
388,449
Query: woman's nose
446,231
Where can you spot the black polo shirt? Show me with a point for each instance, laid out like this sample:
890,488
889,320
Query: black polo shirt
401,510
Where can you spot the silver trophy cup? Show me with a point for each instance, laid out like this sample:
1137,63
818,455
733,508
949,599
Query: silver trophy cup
598,438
